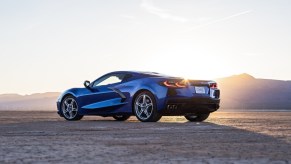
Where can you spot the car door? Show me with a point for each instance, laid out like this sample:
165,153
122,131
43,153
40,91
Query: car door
102,93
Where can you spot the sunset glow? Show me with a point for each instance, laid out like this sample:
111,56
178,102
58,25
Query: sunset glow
53,45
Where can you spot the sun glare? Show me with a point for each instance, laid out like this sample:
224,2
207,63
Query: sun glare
184,61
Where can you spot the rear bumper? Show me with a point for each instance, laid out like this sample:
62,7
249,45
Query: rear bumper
184,106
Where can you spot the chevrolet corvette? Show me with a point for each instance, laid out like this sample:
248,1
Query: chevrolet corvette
146,95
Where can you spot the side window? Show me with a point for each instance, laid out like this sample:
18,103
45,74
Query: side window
111,79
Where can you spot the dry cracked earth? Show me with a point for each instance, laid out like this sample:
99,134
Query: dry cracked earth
226,137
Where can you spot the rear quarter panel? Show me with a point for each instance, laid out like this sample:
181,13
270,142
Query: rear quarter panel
151,84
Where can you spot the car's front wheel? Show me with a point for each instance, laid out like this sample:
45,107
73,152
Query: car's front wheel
70,109
145,107
121,117
197,117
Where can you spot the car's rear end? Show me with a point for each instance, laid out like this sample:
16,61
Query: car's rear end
185,97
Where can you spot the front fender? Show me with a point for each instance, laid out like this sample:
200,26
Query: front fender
76,92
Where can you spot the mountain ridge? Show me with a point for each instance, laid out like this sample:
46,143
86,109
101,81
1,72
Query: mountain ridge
246,92
242,91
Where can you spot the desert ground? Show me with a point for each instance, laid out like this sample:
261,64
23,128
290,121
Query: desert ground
226,137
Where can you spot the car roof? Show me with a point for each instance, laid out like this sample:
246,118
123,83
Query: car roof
142,73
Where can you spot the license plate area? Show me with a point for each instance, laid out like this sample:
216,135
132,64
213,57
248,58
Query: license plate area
200,90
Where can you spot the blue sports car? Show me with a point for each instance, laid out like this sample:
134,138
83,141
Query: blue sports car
147,95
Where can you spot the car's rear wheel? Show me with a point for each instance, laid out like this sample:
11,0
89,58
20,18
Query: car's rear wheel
70,109
121,117
197,117
145,107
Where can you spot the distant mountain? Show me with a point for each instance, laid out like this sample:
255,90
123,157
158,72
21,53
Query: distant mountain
246,92
38,101
237,92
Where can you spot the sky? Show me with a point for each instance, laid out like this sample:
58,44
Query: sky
53,45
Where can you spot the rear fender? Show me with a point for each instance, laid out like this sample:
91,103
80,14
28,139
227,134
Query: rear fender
152,85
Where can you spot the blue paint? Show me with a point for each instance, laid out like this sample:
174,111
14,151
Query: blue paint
97,98
106,103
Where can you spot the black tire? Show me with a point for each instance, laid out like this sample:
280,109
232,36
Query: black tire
145,110
197,117
121,117
70,109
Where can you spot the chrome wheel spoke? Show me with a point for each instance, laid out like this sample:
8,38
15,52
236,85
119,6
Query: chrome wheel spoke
144,99
148,105
138,104
145,111
71,114
139,111
72,102
66,103
66,110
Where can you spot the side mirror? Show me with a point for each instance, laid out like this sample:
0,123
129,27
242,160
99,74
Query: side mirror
87,84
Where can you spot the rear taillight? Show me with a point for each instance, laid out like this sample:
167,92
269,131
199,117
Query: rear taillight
174,84
213,85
